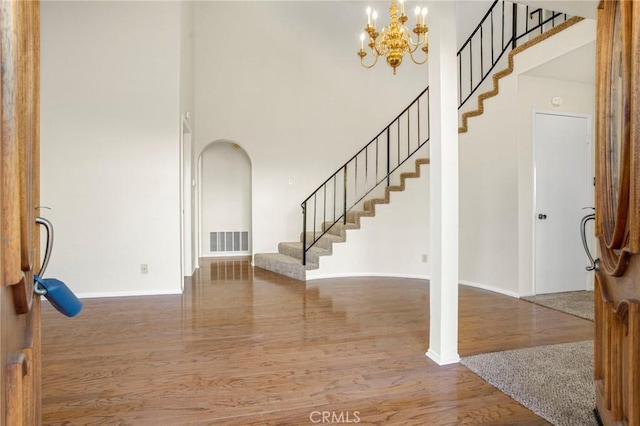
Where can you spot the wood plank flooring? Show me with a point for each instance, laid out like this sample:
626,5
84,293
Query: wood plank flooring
249,347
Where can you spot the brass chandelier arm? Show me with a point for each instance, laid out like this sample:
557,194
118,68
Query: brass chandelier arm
426,56
362,54
421,32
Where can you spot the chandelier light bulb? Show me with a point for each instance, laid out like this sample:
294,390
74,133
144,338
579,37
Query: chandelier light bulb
368,16
402,7
361,41
374,15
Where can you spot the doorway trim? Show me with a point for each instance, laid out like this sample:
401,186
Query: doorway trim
186,235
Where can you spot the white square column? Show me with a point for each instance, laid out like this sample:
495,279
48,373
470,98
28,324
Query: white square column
443,153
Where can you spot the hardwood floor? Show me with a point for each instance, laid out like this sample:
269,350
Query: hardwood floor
245,347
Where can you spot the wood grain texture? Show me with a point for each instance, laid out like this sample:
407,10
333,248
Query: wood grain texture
19,311
251,347
617,345
10,181
16,369
634,123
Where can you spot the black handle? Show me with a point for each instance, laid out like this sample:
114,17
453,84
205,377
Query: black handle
542,216
594,264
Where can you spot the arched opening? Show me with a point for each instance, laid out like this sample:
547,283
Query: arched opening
225,200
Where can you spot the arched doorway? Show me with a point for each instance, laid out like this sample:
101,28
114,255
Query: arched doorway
225,200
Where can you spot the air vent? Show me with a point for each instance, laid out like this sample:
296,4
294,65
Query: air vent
228,241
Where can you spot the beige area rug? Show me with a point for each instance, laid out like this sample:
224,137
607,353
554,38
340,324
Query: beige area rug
578,303
555,382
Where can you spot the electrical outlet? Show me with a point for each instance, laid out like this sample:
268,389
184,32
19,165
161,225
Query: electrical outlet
425,258
144,268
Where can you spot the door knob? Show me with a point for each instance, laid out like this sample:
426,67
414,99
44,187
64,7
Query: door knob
542,216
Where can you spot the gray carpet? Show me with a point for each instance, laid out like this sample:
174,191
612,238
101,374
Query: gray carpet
555,382
578,303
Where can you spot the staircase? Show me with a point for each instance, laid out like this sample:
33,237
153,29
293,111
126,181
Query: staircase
288,260
341,206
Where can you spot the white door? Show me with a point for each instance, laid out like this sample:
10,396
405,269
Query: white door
563,183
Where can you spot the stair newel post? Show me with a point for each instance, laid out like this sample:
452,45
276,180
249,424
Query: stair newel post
514,26
304,233
388,156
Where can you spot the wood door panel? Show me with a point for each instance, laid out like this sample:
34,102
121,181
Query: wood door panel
617,289
19,195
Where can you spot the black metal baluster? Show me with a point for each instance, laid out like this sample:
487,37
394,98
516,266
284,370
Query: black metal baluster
335,190
304,233
388,154
514,25
345,195
377,161
324,208
471,63
398,141
419,122
502,45
366,168
315,210
481,52
492,38
408,132
459,79
355,186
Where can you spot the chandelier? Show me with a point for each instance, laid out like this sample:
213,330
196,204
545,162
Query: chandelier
396,38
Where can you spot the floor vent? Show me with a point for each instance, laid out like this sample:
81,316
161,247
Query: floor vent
229,241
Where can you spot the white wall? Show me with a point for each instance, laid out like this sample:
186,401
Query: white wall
187,61
496,167
489,195
110,144
226,192
284,80
536,94
391,243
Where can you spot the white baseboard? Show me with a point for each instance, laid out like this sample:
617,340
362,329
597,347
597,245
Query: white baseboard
434,356
413,276
364,275
127,293
491,288
226,254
